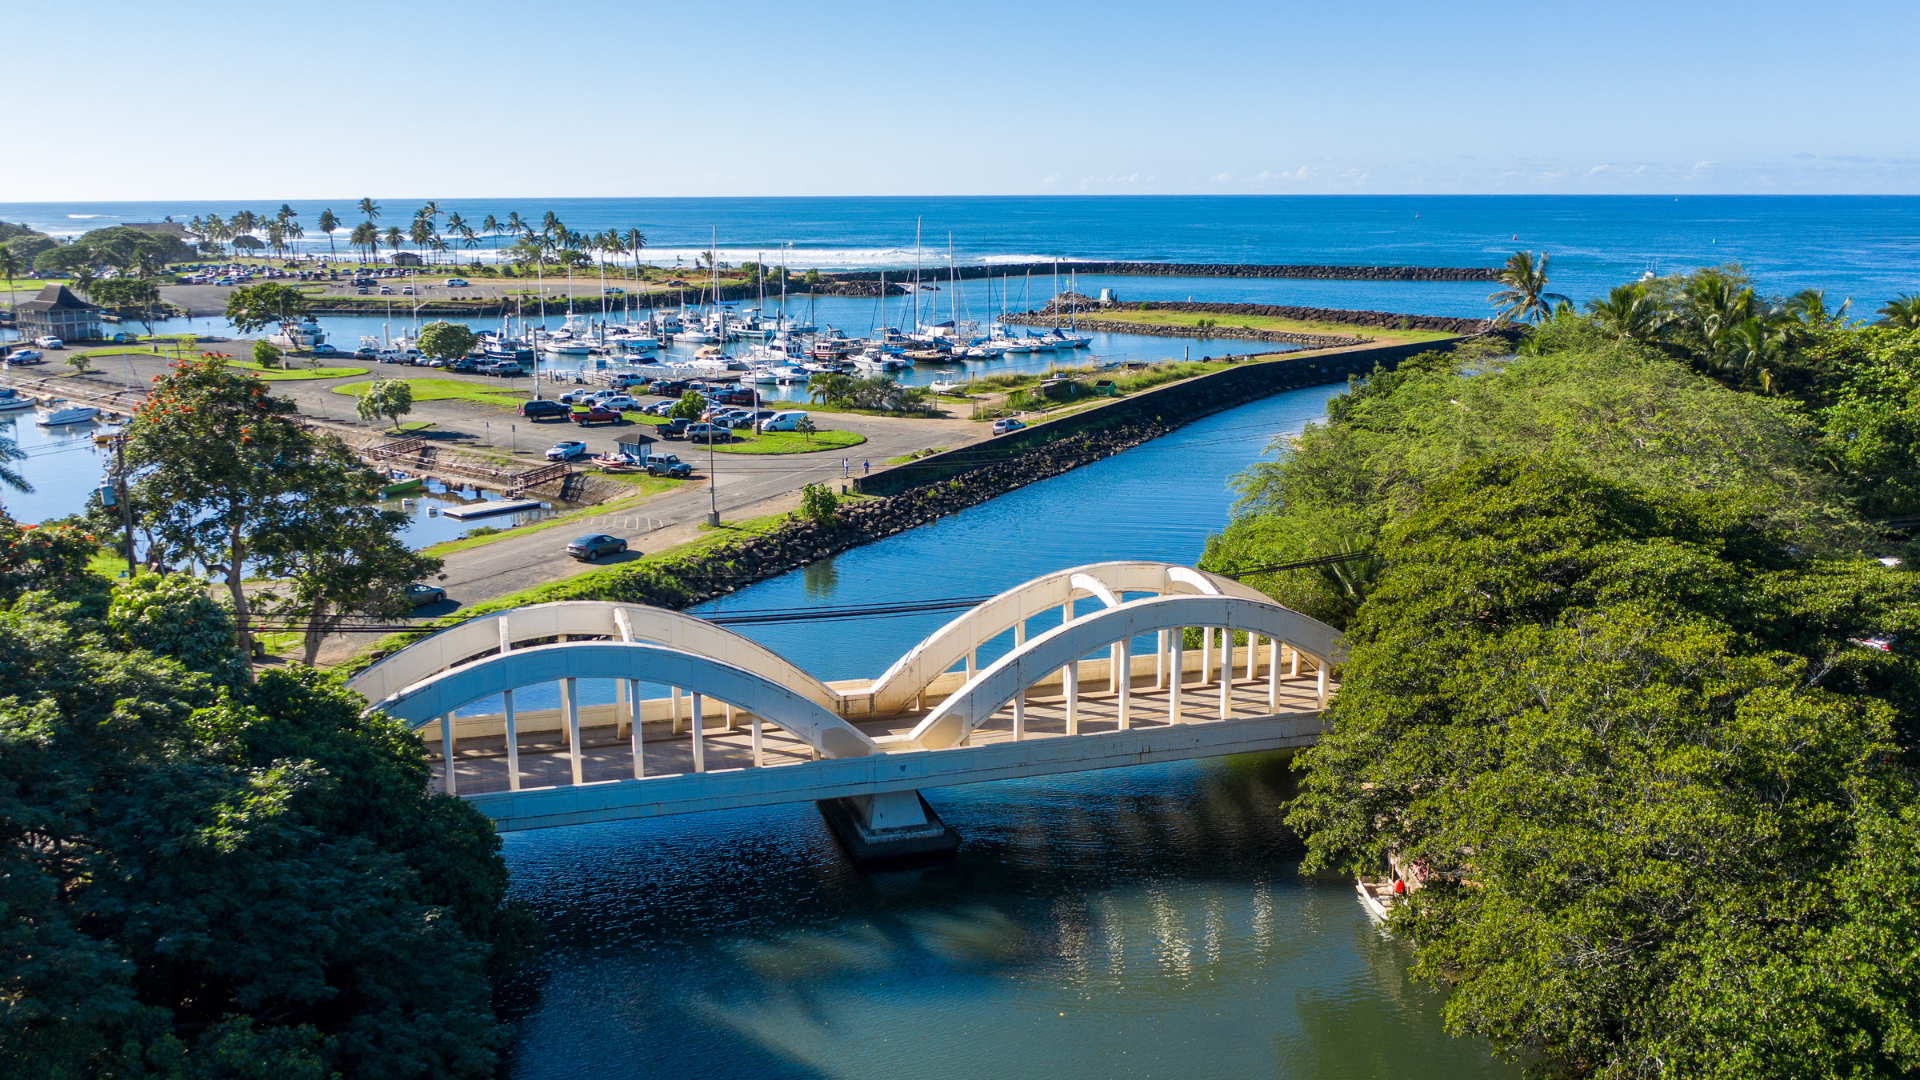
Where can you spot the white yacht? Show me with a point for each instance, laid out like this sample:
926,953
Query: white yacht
59,411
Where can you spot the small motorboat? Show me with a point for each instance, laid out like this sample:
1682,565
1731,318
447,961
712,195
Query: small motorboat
11,400
60,412
401,483
946,387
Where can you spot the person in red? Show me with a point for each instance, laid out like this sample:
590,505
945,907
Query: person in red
1399,887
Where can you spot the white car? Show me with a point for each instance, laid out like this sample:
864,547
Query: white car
49,342
784,421
618,403
456,283
25,356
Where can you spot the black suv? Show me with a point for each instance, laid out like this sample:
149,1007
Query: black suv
544,409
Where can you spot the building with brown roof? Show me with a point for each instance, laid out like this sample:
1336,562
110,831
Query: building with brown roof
56,311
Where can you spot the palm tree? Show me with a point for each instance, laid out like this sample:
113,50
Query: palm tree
1711,309
366,237
1810,307
10,452
514,223
328,224
1525,297
1901,311
9,267
421,233
431,210
1629,312
276,235
370,209
395,237
83,278
635,240
1753,344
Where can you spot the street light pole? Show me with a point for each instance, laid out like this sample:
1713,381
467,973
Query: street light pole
713,492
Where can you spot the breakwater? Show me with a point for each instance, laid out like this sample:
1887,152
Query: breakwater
1073,304
1121,326
1153,269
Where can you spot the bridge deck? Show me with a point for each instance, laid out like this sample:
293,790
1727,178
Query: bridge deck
481,762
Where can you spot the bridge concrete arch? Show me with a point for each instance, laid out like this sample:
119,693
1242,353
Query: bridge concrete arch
949,723
911,674
586,619
443,692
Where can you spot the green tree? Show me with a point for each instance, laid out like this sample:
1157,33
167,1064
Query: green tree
805,427
389,398
252,308
690,407
329,225
1902,312
216,458
1525,298
339,555
1628,311
1647,781
447,341
370,210
174,615
366,237
266,355
9,269
79,361
817,503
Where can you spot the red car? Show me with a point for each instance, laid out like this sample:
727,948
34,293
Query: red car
596,415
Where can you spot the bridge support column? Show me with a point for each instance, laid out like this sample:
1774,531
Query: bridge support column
1125,668
1253,656
1176,673
676,710
1206,655
633,726
1294,673
1226,673
889,825
1020,699
513,743
699,741
1160,661
1321,674
446,752
1073,698
759,759
570,699
1273,675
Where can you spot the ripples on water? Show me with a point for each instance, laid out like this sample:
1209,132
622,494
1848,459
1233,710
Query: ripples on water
1149,921
1137,922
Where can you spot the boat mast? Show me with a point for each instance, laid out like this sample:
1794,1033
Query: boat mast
916,279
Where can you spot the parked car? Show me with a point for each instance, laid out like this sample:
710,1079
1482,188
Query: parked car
708,433
361,290
366,352
422,595
124,338
788,420
324,349
619,403
48,341
595,414
503,368
465,363
658,408
408,291
1001,427
675,428
567,451
544,409
26,356
612,290
581,397
593,545
386,290
671,387
456,283
668,465
627,382
739,395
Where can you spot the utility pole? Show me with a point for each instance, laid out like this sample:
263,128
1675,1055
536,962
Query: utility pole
126,496
713,491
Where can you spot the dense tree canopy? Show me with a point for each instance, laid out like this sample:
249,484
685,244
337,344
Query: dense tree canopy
203,878
1631,697
1648,775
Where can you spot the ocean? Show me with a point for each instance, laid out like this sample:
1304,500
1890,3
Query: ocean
1859,246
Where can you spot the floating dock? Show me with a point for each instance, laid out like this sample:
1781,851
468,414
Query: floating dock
488,509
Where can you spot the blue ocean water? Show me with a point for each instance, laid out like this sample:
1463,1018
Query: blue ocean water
1859,246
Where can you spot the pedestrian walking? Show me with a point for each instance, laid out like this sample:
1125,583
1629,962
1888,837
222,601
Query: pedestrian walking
865,468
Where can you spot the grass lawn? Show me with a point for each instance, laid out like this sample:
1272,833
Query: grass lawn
1224,325
789,442
447,390
296,374
915,456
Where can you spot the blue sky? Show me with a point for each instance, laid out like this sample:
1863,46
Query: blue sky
217,99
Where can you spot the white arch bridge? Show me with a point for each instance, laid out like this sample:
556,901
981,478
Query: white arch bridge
741,726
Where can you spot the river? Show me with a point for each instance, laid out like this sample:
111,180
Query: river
1150,921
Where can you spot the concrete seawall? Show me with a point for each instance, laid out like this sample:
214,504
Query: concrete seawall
1147,414
936,274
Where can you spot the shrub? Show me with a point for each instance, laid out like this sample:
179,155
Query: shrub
817,503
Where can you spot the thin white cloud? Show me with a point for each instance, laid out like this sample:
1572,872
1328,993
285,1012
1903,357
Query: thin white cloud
1598,169
1222,177
1705,164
